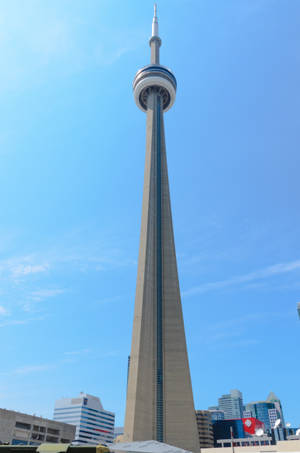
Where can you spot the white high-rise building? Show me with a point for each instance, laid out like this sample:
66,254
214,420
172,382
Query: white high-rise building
94,425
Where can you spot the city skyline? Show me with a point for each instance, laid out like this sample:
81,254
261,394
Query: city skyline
70,225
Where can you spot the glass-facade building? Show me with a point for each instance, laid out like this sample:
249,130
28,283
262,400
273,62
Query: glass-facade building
272,398
265,411
221,429
94,425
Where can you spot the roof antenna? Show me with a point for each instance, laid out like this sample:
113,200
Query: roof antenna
155,22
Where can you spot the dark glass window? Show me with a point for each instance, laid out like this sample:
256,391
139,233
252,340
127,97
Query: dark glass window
51,439
53,431
23,425
37,436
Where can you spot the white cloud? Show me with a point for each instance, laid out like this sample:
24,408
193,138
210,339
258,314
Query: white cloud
38,296
27,269
42,294
17,322
20,267
3,311
28,369
270,271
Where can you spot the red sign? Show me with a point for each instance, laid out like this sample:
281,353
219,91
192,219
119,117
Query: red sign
252,425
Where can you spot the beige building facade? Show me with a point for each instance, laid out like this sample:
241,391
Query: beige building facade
280,447
23,429
205,429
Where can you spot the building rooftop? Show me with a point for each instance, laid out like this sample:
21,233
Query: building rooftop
272,397
37,417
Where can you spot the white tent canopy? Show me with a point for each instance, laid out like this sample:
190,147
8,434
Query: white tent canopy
147,446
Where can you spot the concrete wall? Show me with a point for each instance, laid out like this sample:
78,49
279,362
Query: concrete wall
39,429
283,446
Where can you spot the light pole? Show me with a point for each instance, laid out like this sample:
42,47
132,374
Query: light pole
232,438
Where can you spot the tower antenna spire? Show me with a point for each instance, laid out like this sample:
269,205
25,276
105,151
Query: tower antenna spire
155,22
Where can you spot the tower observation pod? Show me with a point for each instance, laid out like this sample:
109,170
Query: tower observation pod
159,404
154,78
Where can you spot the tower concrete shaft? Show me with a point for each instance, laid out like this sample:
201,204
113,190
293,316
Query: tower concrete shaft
160,402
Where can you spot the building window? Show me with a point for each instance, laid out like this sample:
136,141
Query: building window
42,429
18,442
37,436
51,439
65,441
23,425
53,431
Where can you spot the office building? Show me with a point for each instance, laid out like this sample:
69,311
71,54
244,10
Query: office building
205,429
222,429
160,403
232,405
272,398
265,411
94,425
17,428
273,416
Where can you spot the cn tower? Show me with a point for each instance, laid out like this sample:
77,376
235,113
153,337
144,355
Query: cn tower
160,403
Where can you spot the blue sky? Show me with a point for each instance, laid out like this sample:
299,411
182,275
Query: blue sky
72,146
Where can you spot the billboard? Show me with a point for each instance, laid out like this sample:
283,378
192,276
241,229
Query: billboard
251,425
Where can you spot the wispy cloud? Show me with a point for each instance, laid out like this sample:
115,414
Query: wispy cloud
19,267
238,343
34,297
270,271
238,332
70,358
108,300
27,269
240,321
42,294
3,311
29,369
19,322
78,352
